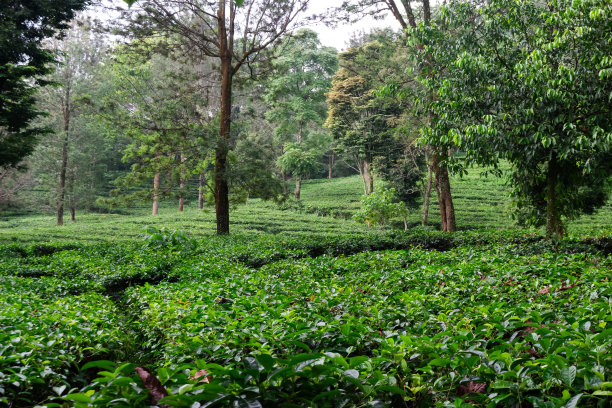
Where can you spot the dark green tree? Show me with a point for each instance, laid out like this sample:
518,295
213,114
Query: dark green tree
411,16
23,63
160,104
360,121
530,83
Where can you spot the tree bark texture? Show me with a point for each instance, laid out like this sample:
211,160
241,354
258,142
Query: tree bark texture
445,200
368,179
427,193
221,183
554,224
299,135
182,185
155,209
62,185
201,192
66,111
330,164
298,187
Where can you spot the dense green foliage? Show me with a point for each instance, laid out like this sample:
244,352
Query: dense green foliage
23,61
380,207
321,312
304,306
531,83
269,328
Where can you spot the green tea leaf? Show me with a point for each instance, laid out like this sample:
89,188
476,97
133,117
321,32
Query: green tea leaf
104,364
573,401
78,397
568,375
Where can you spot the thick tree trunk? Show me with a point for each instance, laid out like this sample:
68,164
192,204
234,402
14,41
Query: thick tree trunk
298,187
221,182
201,192
330,164
554,224
445,200
427,194
72,213
155,209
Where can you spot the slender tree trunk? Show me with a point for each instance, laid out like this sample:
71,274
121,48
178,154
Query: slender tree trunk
298,187
155,209
445,200
62,186
181,198
330,164
182,185
221,183
284,177
360,166
201,192
71,203
427,194
554,224
66,111
367,177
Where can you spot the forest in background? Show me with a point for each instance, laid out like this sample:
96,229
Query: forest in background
223,102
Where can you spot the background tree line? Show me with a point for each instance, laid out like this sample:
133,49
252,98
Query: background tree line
220,102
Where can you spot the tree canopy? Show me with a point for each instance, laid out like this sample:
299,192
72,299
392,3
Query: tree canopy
23,62
529,83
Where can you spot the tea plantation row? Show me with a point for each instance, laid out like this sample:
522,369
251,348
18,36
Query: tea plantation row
420,319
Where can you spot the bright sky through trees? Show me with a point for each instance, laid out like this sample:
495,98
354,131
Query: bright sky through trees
338,36
329,36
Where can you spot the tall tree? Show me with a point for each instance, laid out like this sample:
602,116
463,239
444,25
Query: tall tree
359,121
238,33
531,83
296,94
164,110
410,18
78,55
23,63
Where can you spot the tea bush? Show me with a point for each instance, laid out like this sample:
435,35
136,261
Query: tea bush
476,325
46,335
301,310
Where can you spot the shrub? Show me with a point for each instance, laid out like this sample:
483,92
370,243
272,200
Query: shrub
166,238
379,207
